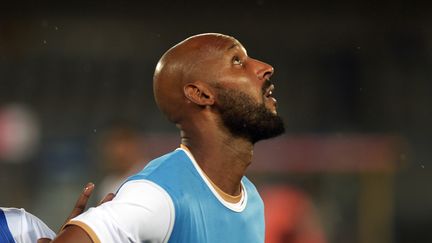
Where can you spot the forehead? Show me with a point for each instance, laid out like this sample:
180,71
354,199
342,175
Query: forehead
219,54
229,44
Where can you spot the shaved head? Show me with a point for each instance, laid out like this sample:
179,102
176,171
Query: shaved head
186,62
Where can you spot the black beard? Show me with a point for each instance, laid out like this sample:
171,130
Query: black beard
244,117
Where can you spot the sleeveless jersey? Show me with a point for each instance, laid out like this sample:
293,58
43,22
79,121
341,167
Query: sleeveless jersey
200,215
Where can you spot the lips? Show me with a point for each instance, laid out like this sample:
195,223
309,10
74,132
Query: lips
269,98
269,91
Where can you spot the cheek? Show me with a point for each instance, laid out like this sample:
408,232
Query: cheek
255,91
243,83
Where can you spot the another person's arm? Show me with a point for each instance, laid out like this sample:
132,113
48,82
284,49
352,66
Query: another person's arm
140,211
82,201
80,206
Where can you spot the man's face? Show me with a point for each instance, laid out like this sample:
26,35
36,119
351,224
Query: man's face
235,70
244,95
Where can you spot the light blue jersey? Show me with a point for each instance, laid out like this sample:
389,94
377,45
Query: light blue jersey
200,215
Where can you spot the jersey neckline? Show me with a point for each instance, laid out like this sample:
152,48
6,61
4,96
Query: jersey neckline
236,207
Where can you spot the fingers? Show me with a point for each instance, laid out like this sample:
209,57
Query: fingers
81,203
107,198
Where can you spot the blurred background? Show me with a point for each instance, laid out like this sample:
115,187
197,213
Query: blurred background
353,83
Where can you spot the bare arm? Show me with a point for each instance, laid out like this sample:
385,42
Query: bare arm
72,233
142,208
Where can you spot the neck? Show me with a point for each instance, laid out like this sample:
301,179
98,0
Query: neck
223,158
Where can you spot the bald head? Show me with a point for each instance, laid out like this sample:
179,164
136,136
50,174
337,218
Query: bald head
186,62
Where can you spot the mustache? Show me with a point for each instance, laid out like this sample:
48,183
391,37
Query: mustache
267,83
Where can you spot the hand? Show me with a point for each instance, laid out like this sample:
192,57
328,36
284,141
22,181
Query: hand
81,203
80,206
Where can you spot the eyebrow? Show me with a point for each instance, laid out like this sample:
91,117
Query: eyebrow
232,46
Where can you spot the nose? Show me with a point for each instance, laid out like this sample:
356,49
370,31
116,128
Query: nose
264,70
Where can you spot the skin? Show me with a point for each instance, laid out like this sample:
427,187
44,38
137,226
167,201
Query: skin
223,157
80,205
184,89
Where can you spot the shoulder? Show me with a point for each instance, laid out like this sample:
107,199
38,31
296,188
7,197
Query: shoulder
142,191
252,192
13,212
19,216
250,187
162,165
24,225
141,210
170,171
14,217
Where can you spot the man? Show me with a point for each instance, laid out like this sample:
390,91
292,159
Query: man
20,226
221,100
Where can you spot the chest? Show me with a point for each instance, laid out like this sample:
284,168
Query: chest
202,218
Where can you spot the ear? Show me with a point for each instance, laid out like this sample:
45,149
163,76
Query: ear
199,94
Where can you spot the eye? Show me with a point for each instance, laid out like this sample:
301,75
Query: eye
236,61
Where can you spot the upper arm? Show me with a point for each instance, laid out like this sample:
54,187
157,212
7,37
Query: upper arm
140,211
73,234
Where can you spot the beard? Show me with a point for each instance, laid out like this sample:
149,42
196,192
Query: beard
245,118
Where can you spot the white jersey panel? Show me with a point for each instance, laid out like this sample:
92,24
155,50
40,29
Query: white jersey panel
140,212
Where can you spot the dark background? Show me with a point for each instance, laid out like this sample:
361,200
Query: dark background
342,69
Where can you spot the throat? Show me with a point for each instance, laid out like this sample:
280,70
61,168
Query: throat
227,197
224,183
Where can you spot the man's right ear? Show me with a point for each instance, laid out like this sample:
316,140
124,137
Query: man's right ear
199,94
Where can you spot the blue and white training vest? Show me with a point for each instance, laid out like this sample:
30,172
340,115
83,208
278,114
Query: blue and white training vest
199,216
